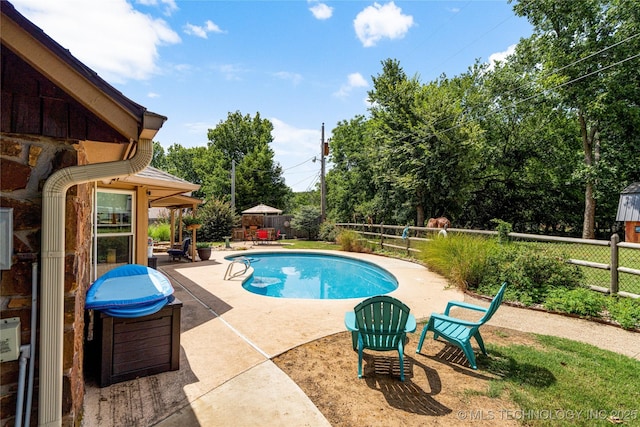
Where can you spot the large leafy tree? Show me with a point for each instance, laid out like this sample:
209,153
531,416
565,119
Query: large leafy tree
426,142
587,52
522,174
351,189
189,164
244,140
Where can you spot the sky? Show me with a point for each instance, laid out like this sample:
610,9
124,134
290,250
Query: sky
298,63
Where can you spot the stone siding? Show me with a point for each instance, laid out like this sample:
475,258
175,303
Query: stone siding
26,162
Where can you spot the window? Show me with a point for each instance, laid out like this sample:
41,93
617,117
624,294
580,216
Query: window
113,230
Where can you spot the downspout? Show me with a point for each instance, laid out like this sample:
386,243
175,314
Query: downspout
53,266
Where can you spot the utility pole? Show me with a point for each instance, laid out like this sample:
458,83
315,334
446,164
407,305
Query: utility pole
324,149
233,184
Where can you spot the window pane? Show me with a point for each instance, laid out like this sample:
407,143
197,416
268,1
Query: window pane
113,251
114,213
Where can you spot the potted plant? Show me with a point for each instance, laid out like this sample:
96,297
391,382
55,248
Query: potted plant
204,250
191,221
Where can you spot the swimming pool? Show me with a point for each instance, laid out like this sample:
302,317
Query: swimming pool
316,276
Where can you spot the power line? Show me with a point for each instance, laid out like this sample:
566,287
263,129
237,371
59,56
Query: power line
409,135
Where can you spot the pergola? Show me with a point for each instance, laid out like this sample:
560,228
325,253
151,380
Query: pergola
170,192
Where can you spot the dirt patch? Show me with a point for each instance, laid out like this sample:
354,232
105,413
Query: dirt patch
439,388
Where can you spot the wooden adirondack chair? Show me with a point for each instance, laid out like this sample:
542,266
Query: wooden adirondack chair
380,323
459,332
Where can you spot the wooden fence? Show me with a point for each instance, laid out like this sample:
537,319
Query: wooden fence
390,236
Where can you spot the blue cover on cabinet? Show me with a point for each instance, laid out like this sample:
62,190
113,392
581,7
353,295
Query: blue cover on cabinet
129,290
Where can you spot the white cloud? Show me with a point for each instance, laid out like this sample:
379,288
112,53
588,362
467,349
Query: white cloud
199,128
230,71
354,80
294,149
501,56
289,140
202,31
321,11
153,95
170,5
295,78
376,22
117,41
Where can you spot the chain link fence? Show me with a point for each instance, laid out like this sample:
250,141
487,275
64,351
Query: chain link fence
608,266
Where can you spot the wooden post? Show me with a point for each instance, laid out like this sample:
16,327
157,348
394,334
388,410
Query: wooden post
613,286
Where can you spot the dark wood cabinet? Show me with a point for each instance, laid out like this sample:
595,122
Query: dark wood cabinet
138,347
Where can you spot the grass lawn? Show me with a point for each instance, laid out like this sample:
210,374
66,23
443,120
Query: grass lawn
564,382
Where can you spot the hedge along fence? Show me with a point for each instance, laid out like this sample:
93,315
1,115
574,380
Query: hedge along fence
609,266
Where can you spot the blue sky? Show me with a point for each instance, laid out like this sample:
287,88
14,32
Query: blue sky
298,63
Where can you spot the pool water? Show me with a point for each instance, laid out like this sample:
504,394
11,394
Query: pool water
316,276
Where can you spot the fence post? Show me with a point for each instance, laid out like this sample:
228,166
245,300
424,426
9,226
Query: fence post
613,286
408,243
382,235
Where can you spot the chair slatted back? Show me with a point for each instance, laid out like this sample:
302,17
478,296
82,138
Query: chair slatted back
381,322
497,300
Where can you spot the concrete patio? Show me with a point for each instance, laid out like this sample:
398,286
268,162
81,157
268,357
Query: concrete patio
229,336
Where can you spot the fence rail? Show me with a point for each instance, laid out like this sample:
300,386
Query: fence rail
602,261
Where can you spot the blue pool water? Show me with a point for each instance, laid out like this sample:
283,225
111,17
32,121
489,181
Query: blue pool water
316,276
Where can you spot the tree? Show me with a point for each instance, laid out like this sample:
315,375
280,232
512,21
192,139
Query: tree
245,141
307,218
588,55
159,160
219,218
351,189
522,172
188,164
426,142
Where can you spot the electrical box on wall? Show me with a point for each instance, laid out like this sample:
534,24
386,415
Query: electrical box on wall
9,339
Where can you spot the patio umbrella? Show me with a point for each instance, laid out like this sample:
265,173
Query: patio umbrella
262,209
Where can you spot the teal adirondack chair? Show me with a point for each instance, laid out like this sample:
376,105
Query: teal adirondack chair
459,332
380,323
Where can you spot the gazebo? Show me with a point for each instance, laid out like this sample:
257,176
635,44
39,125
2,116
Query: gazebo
170,192
253,219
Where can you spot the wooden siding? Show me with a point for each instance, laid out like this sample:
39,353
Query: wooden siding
38,107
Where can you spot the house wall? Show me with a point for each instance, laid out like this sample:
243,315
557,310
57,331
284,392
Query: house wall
26,161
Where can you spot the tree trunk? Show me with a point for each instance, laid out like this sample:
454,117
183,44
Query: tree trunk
591,146
588,226
420,214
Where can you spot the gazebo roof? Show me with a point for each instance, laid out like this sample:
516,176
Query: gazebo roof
262,209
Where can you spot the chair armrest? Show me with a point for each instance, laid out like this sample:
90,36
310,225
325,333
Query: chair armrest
350,321
411,324
451,304
454,320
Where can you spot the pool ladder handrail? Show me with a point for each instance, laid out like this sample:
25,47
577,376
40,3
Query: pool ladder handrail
228,275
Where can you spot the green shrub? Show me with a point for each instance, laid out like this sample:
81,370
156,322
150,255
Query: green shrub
307,218
160,232
580,301
625,311
349,241
218,220
531,274
328,232
460,258
203,245
503,228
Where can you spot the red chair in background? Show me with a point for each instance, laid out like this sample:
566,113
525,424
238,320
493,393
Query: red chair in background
262,236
